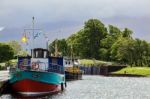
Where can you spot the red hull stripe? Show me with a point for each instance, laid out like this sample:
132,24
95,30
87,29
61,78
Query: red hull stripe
28,85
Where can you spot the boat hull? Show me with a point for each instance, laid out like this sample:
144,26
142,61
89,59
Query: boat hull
73,76
36,83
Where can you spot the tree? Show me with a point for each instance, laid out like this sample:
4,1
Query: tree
112,44
122,50
95,31
114,34
61,46
77,44
127,33
6,52
132,52
16,47
86,42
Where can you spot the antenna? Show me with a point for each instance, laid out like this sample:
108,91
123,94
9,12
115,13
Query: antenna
33,36
56,48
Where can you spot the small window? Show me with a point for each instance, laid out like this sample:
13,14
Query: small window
45,54
36,54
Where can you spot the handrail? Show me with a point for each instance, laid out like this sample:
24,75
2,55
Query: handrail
49,67
56,68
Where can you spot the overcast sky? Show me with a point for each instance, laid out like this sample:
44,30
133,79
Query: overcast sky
61,18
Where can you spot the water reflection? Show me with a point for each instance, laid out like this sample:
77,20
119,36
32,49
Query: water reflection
98,87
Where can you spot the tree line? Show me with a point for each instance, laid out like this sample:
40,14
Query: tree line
109,43
10,50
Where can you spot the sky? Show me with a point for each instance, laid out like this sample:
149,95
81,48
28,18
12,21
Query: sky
61,18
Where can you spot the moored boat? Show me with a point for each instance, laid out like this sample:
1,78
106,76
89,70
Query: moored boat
72,69
38,73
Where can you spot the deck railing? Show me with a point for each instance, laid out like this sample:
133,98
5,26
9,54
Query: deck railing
42,66
56,68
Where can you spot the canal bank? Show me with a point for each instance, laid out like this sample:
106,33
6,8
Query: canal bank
132,72
101,69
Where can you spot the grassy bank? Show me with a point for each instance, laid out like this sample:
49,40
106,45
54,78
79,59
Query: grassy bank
143,71
89,62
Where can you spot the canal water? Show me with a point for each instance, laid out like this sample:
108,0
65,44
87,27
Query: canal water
99,87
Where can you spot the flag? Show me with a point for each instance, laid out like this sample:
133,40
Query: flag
37,35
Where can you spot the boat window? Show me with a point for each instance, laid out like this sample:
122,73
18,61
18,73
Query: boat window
36,54
40,53
45,54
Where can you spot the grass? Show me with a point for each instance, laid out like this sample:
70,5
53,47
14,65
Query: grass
89,62
144,71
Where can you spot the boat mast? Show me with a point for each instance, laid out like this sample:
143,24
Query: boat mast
32,35
56,48
33,31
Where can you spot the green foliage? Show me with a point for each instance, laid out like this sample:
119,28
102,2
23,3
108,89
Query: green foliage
127,33
95,41
134,52
16,47
6,52
95,31
61,46
122,50
76,42
106,43
22,53
86,42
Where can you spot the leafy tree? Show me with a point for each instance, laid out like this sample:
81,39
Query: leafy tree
23,53
114,34
78,45
86,42
95,31
16,47
127,33
133,52
61,46
122,50
142,49
6,52
112,44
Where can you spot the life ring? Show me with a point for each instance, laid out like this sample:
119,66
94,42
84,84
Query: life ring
35,66
22,67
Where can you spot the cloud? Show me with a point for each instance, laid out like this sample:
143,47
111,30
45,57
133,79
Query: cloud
66,14
56,10
2,28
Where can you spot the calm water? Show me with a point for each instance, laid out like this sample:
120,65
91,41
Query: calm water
98,87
